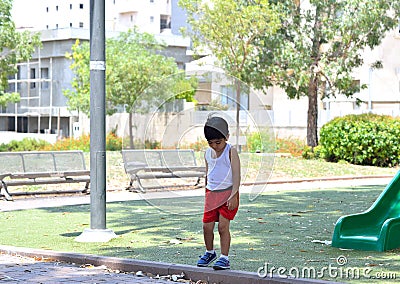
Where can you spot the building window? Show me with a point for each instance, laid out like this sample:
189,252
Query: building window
70,25
47,27
80,6
131,18
228,98
70,6
56,26
81,24
33,76
151,19
56,8
164,24
151,1
47,9
44,74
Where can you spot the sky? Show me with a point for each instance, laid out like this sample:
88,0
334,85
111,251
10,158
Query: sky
23,11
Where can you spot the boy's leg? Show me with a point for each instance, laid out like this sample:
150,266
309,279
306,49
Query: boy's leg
208,234
225,239
210,254
224,234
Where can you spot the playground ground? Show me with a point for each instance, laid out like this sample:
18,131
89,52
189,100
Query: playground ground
289,226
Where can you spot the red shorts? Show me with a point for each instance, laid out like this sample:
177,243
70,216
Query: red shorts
215,204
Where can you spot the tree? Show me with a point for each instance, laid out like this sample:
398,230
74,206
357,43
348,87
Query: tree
79,96
231,30
318,47
137,76
14,47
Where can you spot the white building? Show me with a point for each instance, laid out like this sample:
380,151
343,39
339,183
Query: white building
152,16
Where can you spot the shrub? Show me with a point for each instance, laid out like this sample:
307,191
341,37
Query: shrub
81,143
26,144
294,146
313,153
366,139
199,145
260,142
113,143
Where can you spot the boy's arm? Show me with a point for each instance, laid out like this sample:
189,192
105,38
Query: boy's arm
205,161
233,201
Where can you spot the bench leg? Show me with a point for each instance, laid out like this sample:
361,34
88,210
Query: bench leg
4,192
86,190
139,183
142,189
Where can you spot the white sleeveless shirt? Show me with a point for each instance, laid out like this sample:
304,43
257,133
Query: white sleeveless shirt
219,174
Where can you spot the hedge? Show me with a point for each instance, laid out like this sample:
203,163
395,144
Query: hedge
366,139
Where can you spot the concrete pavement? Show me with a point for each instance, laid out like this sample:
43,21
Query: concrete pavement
21,269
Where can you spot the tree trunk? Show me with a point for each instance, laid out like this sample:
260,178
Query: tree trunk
312,115
131,145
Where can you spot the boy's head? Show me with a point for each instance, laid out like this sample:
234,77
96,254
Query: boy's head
216,128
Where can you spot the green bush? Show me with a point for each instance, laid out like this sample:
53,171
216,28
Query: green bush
365,139
310,153
260,142
26,144
113,143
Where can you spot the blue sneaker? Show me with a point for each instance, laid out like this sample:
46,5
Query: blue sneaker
206,259
221,264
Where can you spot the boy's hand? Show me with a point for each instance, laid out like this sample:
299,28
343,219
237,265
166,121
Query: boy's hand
233,203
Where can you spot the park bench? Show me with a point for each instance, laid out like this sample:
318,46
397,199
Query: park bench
44,167
159,164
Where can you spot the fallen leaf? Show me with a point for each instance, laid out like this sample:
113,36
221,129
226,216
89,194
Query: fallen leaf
175,242
326,242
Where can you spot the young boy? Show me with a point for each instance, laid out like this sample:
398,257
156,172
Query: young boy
222,191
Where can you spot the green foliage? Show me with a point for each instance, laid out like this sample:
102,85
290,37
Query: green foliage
230,29
133,64
318,46
138,77
260,142
313,152
113,143
26,144
79,96
365,139
14,47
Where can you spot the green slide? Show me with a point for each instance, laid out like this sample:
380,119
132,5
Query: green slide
376,229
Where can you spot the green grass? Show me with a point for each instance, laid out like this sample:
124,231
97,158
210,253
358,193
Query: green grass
279,227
